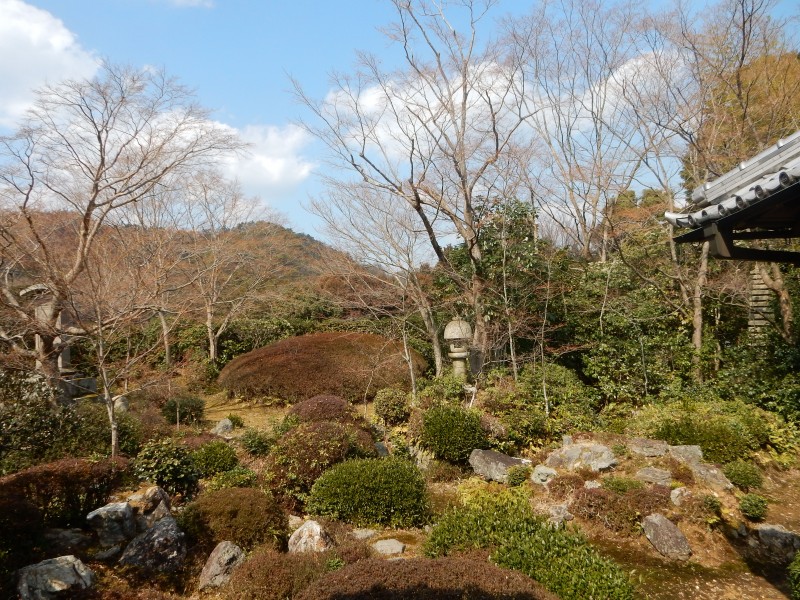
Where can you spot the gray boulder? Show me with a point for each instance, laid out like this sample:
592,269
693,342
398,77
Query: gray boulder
779,543
679,495
666,537
224,427
162,548
67,541
648,448
542,474
711,476
559,513
654,475
686,454
53,578
220,565
493,465
310,537
114,523
590,455
389,547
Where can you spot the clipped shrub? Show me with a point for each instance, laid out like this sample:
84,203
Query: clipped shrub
245,516
518,474
300,456
237,477
322,408
66,490
236,420
168,465
753,507
392,406
271,575
447,578
451,433
350,365
214,457
446,389
372,491
562,561
793,576
744,475
190,409
256,442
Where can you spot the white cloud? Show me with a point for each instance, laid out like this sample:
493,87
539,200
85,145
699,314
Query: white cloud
274,165
35,48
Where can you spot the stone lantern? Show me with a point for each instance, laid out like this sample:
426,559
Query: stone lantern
458,334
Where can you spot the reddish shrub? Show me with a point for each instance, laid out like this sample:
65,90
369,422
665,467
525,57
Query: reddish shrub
300,456
244,516
323,408
350,365
619,512
66,490
271,575
564,485
422,578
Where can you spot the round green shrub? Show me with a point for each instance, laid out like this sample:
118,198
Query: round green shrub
256,442
235,420
372,491
214,457
517,475
190,408
300,456
793,576
392,406
168,465
744,475
753,507
621,485
237,477
446,389
245,516
452,433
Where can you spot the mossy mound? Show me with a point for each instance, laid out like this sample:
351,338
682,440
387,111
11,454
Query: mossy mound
420,578
350,365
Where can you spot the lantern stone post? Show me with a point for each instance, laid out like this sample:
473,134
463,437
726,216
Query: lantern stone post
458,334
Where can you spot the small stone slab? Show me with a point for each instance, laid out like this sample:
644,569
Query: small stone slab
493,465
686,454
679,495
654,475
363,533
220,565
648,448
542,474
590,455
666,537
560,513
310,537
224,427
389,547
53,578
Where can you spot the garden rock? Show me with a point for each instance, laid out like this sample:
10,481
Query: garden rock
220,565
113,523
686,454
364,534
590,455
310,537
381,449
66,541
711,476
223,427
161,548
591,484
779,543
542,474
666,537
559,513
53,578
295,522
679,495
654,475
648,448
108,554
389,547
493,465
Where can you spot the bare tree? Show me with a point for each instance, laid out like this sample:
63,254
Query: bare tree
436,135
87,148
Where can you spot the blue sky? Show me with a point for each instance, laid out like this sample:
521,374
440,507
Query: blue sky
236,54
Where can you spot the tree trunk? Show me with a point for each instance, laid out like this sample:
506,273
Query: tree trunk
773,279
165,334
697,312
212,338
